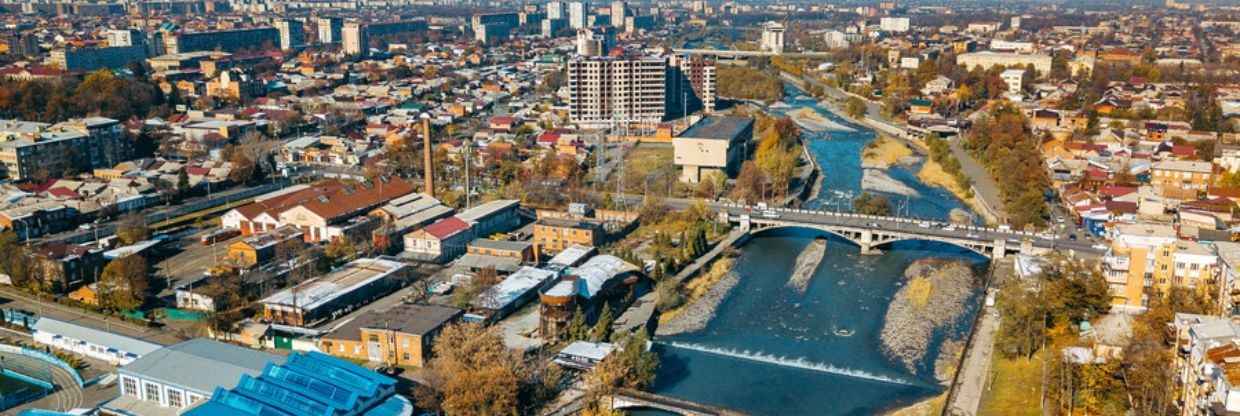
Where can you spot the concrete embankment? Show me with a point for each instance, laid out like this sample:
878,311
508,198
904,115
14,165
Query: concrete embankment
806,264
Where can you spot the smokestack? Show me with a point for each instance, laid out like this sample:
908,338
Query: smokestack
428,163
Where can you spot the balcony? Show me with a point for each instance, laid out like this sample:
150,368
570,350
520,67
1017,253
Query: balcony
1117,263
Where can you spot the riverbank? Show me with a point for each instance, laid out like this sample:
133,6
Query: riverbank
932,173
702,297
877,180
808,119
807,263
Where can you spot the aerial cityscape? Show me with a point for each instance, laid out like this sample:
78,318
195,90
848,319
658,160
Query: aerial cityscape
631,207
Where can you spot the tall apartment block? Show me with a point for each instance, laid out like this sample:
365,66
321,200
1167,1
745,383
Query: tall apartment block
356,36
603,89
329,29
692,84
292,34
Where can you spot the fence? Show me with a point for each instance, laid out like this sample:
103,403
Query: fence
40,355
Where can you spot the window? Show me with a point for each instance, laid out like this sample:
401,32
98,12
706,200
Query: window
194,398
174,399
152,392
129,387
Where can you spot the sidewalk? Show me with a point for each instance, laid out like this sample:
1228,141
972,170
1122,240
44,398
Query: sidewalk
984,185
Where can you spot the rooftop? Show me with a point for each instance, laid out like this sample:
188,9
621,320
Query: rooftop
201,364
409,319
719,128
107,339
317,292
501,295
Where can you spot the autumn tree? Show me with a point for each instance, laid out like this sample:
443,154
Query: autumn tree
871,204
132,228
855,107
124,283
474,373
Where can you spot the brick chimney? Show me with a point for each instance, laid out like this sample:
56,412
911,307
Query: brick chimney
428,163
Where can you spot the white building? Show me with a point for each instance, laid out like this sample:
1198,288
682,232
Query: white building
1012,78
113,348
603,90
893,24
292,34
577,13
773,37
987,59
1000,45
178,376
329,29
555,10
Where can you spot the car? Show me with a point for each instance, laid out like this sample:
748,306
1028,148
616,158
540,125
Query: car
924,224
1100,246
762,206
1072,237
972,235
950,227
770,213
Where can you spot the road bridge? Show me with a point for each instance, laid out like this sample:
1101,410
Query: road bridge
871,232
739,53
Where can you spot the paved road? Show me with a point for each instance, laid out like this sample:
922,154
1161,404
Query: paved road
983,184
974,371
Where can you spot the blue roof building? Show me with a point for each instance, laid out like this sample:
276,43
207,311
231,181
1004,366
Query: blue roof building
309,384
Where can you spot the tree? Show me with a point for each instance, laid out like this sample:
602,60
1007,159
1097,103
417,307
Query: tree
602,327
871,204
132,228
577,329
855,107
123,283
749,183
475,373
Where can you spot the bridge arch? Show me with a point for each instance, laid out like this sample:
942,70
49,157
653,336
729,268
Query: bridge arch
855,237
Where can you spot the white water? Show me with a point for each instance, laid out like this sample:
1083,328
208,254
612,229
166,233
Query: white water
800,363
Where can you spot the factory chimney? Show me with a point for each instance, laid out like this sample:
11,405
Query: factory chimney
428,163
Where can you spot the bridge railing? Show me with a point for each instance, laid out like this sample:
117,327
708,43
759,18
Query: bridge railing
905,220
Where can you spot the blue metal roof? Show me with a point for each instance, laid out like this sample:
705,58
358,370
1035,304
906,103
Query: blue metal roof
309,384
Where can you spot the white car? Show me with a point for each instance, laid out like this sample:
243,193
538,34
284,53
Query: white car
770,213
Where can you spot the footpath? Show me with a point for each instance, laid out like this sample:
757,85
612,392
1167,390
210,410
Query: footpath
965,397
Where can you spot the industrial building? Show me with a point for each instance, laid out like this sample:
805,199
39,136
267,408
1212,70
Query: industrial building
498,301
170,379
400,336
353,285
308,384
714,144
602,281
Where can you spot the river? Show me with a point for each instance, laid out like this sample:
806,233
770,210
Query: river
773,351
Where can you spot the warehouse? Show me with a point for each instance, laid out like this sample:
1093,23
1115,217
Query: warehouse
353,285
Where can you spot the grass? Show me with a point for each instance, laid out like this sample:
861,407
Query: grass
189,218
919,290
1014,387
884,152
930,407
647,165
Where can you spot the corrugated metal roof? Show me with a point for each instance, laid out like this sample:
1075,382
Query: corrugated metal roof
95,336
201,364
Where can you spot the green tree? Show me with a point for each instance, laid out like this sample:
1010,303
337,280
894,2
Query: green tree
602,327
855,107
123,283
577,328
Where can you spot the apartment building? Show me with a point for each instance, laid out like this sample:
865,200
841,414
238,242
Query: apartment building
90,59
223,40
1207,364
30,149
292,34
693,84
356,36
1147,259
553,235
988,59
329,29
1181,179
605,89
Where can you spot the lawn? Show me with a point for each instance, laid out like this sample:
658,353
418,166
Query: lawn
648,166
1015,387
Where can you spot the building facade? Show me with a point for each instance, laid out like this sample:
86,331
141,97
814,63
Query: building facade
603,90
30,149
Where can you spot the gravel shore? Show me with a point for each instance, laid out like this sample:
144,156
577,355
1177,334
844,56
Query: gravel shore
920,310
696,315
807,262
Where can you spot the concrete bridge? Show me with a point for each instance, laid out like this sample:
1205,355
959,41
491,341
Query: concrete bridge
871,232
738,53
633,399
